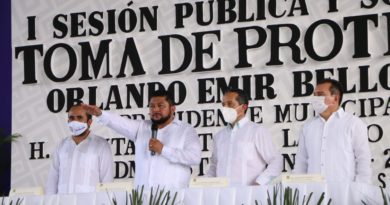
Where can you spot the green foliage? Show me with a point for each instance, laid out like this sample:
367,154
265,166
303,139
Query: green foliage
159,197
8,139
136,196
18,202
290,197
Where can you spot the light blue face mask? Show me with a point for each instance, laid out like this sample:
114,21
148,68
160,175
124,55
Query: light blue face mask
77,128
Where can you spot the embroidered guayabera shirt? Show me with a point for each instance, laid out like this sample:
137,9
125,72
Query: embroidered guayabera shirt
171,168
245,154
337,148
79,168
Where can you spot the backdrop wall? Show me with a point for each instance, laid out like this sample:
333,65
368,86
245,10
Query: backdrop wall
115,54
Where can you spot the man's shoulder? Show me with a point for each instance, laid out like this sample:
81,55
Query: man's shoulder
353,119
98,138
311,121
182,123
65,140
250,125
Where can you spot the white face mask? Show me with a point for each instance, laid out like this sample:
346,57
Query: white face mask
229,114
318,104
77,128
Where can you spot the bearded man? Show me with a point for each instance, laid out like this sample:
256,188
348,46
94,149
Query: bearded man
82,160
164,160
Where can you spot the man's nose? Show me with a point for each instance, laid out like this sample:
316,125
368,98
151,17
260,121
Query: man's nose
154,109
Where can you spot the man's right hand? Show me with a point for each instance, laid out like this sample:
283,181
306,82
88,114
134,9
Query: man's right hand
92,109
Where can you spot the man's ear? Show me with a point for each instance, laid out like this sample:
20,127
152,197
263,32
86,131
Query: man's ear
89,122
337,98
245,106
173,108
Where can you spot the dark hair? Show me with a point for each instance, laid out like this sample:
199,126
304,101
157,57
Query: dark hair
242,97
163,93
335,87
89,116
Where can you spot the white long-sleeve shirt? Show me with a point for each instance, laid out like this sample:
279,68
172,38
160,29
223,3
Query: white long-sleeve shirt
79,168
337,148
171,168
245,154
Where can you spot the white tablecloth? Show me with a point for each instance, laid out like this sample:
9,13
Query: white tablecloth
340,194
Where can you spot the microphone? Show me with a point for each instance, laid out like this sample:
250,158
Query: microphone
154,135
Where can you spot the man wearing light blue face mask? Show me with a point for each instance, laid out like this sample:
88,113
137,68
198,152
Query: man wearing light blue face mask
81,161
334,143
243,151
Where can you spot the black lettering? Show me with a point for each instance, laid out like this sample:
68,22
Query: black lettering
29,61
226,8
302,85
77,21
205,91
95,20
377,130
58,96
60,26
286,141
96,63
360,33
337,40
276,44
38,149
166,54
131,53
243,47
72,62
200,51
290,162
364,80
147,15
31,28
180,14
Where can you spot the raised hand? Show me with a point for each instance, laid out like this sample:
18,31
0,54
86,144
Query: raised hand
92,109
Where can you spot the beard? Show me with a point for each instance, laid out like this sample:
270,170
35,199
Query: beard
82,134
162,120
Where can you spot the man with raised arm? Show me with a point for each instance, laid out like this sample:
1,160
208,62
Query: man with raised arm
162,161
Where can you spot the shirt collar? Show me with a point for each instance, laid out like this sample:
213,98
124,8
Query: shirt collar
176,120
239,124
340,112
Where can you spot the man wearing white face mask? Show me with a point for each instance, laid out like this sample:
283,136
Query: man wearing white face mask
243,151
334,143
81,161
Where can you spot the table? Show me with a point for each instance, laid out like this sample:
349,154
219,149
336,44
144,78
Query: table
340,194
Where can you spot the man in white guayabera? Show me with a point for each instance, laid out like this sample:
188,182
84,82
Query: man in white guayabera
166,147
334,143
243,151
81,161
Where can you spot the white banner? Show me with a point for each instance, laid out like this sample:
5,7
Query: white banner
115,53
